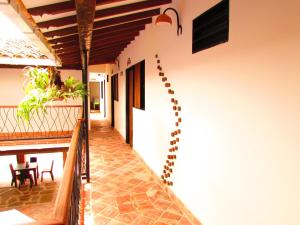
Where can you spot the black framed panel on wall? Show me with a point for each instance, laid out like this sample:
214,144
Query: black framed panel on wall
212,27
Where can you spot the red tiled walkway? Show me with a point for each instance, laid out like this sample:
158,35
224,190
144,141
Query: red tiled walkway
123,189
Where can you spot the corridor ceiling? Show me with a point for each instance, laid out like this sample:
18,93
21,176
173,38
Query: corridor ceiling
110,26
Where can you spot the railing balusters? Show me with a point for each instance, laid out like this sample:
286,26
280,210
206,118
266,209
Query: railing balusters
58,122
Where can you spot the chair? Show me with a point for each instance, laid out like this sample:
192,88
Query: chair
34,160
21,177
48,171
15,176
25,175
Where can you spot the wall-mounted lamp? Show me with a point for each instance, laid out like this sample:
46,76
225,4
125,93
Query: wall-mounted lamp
164,18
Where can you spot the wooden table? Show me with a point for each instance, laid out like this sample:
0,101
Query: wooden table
21,167
35,149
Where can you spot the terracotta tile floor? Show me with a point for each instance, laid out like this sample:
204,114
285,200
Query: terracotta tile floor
122,189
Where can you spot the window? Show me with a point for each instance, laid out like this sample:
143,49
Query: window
212,27
135,78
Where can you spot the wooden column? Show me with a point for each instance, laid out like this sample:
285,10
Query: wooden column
85,12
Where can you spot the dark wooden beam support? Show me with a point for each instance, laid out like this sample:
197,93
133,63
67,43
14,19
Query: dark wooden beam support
71,44
105,12
106,41
52,9
108,51
140,24
119,36
130,8
99,48
71,60
58,22
71,66
72,54
126,18
72,49
62,32
75,62
71,38
62,7
104,23
67,50
103,61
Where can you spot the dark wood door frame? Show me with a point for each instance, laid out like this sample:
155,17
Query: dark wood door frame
104,96
113,97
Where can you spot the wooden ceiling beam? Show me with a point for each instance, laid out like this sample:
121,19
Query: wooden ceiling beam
72,49
105,23
105,12
74,61
71,44
129,8
126,18
62,32
67,50
71,66
119,36
103,61
103,43
52,9
71,59
116,33
62,7
70,38
101,47
67,54
105,55
107,50
140,24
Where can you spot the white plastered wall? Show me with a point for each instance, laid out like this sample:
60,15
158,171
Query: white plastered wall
238,159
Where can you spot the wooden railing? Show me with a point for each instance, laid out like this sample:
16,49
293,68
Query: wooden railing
66,209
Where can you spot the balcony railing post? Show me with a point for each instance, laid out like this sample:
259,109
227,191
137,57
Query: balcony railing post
86,116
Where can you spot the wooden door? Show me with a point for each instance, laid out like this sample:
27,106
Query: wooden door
129,108
135,95
112,94
114,97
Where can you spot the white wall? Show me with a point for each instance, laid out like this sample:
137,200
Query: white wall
239,155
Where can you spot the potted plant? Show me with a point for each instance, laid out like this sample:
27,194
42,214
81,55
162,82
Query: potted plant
43,86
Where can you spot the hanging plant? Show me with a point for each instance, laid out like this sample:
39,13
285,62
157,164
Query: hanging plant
43,86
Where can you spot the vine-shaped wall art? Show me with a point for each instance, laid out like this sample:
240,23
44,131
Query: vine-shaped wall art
174,139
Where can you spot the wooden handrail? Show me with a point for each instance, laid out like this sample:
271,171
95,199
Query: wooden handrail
63,199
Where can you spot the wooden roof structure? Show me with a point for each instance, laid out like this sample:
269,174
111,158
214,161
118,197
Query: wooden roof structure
103,28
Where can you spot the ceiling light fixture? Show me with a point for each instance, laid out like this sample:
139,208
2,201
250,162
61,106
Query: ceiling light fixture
164,18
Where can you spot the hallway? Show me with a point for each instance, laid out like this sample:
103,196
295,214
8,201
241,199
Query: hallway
123,189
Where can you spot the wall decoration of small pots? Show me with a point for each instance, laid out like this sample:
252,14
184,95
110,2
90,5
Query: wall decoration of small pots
168,167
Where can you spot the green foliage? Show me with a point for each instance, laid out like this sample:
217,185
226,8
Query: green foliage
43,86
